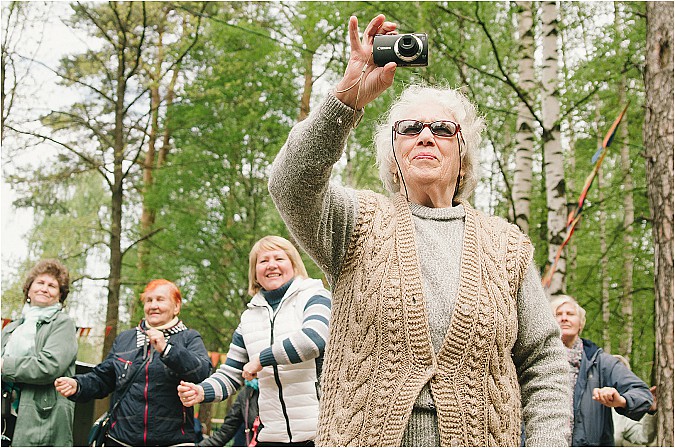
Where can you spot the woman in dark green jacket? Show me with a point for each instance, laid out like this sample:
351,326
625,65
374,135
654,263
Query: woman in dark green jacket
36,349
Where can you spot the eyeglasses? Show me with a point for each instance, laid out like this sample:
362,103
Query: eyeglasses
440,128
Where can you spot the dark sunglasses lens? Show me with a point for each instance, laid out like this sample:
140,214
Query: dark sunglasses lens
409,127
443,128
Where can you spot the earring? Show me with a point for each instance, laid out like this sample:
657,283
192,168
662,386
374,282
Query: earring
395,178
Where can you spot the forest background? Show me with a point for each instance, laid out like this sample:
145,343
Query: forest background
155,164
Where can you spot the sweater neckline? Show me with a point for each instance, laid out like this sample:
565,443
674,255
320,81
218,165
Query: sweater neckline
438,214
275,296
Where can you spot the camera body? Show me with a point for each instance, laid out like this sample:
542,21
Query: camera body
407,50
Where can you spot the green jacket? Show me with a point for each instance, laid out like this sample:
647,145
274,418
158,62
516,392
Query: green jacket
45,418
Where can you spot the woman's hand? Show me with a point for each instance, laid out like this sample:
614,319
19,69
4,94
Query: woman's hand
156,339
190,394
609,396
252,368
375,79
65,386
654,405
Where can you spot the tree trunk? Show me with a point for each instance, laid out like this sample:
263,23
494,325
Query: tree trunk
166,140
117,198
308,59
571,247
522,179
553,156
626,341
658,141
148,213
604,260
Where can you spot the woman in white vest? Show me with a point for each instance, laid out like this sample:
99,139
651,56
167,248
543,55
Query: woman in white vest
440,333
280,340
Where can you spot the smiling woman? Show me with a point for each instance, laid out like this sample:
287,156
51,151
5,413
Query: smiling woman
161,302
280,340
150,414
36,349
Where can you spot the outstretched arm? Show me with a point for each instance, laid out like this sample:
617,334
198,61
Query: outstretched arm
321,215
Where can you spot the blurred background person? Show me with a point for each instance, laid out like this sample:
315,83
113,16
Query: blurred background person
433,299
280,340
241,422
629,432
36,349
150,414
599,381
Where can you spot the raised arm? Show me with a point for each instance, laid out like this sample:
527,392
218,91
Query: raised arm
321,215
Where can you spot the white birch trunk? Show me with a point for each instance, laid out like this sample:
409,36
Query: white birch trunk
522,179
604,260
553,156
626,342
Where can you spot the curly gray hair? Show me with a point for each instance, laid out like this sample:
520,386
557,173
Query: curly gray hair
458,106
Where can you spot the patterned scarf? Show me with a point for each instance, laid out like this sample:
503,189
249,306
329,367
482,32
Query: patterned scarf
173,327
574,355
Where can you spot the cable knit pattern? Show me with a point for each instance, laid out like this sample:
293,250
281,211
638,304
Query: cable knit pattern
402,327
380,353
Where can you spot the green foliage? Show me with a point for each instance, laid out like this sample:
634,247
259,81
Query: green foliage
212,195
240,92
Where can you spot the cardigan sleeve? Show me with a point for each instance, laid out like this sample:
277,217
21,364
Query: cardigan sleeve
542,367
319,214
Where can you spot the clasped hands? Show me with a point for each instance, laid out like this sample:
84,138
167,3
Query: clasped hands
190,394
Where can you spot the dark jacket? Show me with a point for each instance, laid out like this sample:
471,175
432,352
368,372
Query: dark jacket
593,421
44,416
236,418
151,413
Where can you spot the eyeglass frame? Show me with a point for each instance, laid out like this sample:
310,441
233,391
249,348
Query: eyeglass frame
460,141
427,124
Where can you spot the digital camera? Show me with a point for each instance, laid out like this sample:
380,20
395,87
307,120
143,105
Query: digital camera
407,50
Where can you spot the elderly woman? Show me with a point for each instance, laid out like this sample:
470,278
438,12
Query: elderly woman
150,414
36,349
440,332
600,381
280,340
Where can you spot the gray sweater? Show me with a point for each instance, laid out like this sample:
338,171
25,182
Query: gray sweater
321,215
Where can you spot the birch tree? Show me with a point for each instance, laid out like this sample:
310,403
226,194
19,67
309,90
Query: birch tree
522,179
553,155
626,301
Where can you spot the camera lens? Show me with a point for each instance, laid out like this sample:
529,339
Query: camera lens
408,46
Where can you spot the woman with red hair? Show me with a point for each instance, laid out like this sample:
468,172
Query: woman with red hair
149,413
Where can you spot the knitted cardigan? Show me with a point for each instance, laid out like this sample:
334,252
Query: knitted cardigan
380,354
326,218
